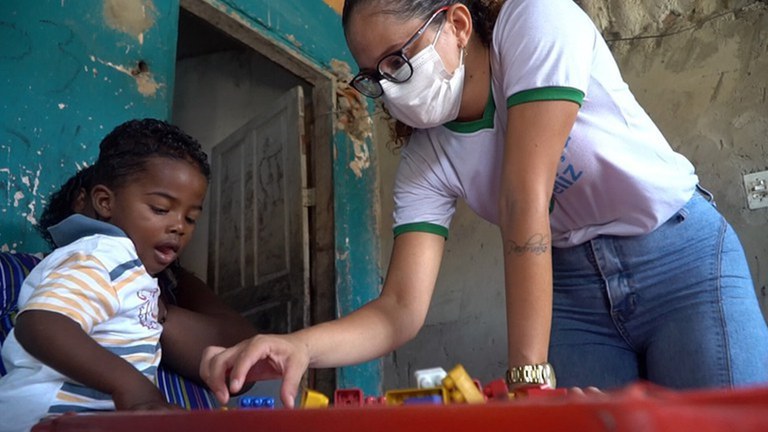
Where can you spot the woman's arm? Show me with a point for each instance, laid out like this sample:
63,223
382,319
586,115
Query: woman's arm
61,344
371,331
536,136
199,320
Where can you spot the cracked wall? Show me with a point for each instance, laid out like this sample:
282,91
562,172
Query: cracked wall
69,72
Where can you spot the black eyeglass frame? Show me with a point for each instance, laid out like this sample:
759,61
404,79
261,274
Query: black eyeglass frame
376,76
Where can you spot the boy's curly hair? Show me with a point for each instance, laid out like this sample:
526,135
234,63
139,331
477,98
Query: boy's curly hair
124,152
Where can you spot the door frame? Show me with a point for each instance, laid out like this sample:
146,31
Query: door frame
318,147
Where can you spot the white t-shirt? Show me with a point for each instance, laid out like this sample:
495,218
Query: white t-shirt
617,174
99,282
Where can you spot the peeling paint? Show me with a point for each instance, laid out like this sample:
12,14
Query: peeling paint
292,39
133,17
18,196
352,117
145,81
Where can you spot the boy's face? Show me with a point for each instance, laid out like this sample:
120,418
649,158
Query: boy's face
157,209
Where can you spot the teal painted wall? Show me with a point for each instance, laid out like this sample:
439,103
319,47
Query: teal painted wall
65,81
313,29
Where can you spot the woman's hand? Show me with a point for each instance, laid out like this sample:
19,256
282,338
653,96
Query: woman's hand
261,357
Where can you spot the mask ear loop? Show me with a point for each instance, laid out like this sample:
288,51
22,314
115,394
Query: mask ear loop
439,31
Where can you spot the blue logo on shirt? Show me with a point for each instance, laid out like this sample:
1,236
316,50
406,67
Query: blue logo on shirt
567,176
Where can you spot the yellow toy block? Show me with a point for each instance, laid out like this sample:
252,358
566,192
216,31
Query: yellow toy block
313,399
461,388
429,395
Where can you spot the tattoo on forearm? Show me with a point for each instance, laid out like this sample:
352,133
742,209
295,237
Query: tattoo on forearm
537,245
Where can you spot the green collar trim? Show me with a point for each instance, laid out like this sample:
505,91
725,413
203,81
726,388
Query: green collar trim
485,122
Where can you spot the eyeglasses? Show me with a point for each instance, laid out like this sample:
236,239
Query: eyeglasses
394,67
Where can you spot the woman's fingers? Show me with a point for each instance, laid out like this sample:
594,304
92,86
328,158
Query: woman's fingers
245,357
291,379
259,358
215,379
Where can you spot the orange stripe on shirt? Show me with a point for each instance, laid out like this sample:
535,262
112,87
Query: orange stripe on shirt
85,286
135,274
63,396
78,258
51,291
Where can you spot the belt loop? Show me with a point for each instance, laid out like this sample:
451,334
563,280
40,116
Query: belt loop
706,194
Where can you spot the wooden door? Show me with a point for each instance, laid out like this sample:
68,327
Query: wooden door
258,240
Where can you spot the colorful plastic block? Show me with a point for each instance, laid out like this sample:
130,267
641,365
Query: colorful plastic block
539,392
348,397
399,397
256,402
497,390
424,400
313,399
461,388
373,400
426,378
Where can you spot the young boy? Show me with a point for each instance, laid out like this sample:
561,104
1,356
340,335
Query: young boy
88,329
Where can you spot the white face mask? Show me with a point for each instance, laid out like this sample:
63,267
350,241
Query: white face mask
431,97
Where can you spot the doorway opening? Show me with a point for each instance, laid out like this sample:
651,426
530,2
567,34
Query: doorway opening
230,83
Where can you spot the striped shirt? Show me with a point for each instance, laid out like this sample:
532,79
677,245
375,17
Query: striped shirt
97,280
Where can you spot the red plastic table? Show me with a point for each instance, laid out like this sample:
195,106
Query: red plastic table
636,408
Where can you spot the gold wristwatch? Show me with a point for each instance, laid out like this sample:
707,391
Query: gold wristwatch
538,374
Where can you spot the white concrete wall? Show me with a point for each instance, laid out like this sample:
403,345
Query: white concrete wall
705,86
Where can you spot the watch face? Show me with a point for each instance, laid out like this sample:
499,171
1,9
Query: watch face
541,374
552,379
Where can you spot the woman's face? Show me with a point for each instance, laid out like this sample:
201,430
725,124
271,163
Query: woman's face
371,35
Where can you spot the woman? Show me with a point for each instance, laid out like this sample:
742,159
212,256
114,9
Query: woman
617,265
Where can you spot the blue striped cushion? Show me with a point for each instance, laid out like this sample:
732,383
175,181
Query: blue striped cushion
183,392
14,267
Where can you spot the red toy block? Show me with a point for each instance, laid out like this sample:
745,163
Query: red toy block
373,400
348,397
497,390
539,392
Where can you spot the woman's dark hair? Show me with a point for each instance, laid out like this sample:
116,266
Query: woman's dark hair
123,153
61,203
484,12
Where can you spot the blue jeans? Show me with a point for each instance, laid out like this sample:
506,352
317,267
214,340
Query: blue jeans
676,307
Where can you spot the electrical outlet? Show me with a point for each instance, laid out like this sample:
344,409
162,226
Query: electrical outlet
756,185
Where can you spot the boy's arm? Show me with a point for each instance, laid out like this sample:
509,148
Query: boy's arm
61,343
201,319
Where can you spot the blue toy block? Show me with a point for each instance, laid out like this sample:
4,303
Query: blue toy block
257,402
424,400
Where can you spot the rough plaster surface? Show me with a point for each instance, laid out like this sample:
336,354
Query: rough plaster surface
133,17
700,69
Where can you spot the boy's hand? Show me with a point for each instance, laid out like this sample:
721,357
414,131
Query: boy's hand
140,396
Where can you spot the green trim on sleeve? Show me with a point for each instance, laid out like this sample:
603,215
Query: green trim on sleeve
546,94
485,122
422,227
